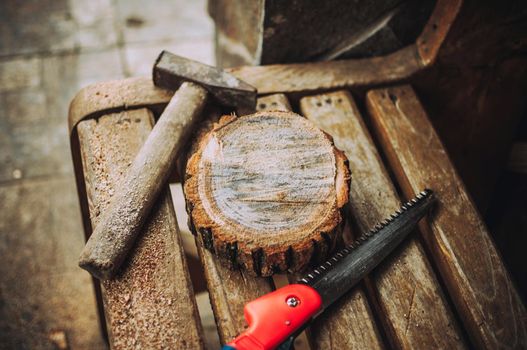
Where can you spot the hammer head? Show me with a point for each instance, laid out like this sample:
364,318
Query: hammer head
170,71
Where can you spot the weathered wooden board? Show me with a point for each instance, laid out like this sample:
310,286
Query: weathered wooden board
150,304
332,329
229,290
274,102
265,192
479,284
280,102
337,328
408,297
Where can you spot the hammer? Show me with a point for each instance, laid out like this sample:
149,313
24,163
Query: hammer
119,226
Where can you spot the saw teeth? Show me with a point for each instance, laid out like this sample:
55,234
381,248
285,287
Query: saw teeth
363,238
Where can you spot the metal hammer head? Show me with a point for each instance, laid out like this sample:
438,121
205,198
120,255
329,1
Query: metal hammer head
170,71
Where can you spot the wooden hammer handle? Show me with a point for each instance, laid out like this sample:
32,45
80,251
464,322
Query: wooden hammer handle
119,226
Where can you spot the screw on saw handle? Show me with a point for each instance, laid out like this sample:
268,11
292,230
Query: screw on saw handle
273,317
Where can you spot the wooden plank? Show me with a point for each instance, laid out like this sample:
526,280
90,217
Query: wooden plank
274,102
150,304
464,252
229,290
337,328
280,102
349,323
408,297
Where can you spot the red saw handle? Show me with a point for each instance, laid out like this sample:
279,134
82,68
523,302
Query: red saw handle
273,317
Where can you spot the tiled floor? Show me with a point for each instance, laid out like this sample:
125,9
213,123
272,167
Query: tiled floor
48,50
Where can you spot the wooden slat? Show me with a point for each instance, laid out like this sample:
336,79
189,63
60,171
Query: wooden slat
331,330
409,299
150,304
350,323
280,102
473,272
274,102
229,290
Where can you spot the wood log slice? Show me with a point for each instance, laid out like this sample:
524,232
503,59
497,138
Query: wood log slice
265,192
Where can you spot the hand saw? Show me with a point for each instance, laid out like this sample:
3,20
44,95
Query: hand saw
276,318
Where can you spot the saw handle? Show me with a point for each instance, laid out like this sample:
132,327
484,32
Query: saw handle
273,317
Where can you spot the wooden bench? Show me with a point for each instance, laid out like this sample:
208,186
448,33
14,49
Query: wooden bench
446,287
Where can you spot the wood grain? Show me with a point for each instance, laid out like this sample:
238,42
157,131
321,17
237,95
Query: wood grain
101,98
408,297
265,192
479,284
150,303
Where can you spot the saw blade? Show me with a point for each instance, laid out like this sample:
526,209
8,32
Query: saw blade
348,266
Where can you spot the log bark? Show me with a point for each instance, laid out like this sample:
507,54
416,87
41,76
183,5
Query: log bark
150,303
264,192
478,282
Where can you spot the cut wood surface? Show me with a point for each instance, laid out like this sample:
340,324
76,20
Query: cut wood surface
229,290
409,300
150,303
479,284
265,191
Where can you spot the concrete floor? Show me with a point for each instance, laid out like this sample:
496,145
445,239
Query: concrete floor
49,49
